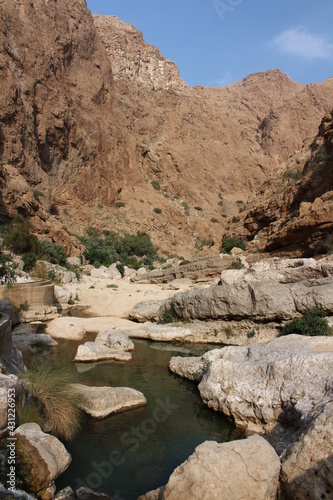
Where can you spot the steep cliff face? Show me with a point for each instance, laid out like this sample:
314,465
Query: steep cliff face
59,135
294,214
97,128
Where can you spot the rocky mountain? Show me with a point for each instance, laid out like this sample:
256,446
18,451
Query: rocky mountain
295,212
97,128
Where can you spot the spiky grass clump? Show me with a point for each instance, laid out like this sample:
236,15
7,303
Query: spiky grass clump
29,412
52,391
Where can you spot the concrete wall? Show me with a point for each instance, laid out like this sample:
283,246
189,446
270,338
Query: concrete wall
35,293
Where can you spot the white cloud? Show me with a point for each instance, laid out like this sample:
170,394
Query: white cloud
300,42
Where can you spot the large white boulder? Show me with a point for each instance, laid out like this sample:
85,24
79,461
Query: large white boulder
42,459
239,470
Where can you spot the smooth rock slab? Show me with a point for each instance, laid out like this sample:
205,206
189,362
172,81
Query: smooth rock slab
94,351
115,340
42,457
239,470
99,402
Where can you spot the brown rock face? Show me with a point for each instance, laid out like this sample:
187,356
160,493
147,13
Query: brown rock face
57,129
295,213
91,116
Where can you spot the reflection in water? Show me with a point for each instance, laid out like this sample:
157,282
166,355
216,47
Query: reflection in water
130,453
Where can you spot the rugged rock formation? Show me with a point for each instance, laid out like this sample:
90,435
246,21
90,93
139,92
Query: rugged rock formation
294,212
54,86
270,290
91,115
42,459
246,469
99,402
283,388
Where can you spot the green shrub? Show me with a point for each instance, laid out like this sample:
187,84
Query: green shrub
56,254
120,204
121,268
292,175
7,269
132,250
29,260
186,207
168,316
50,386
312,323
229,242
24,306
236,264
37,193
19,239
156,185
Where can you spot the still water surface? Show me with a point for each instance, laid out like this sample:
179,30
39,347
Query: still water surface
130,453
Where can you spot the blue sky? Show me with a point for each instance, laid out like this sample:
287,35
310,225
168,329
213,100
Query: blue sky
217,42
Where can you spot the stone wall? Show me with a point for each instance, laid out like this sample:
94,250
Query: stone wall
35,294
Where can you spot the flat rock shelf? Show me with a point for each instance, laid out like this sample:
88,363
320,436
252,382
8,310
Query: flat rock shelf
129,453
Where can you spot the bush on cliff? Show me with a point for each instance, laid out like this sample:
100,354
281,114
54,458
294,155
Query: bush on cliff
19,239
229,242
312,323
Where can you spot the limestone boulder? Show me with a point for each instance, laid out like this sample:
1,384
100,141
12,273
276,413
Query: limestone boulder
258,385
307,464
42,459
280,270
258,300
115,340
95,351
17,390
191,368
27,340
99,402
240,470
110,272
61,295
148,310
11,360
7,308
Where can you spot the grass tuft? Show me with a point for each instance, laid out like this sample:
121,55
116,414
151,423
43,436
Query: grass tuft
51,389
